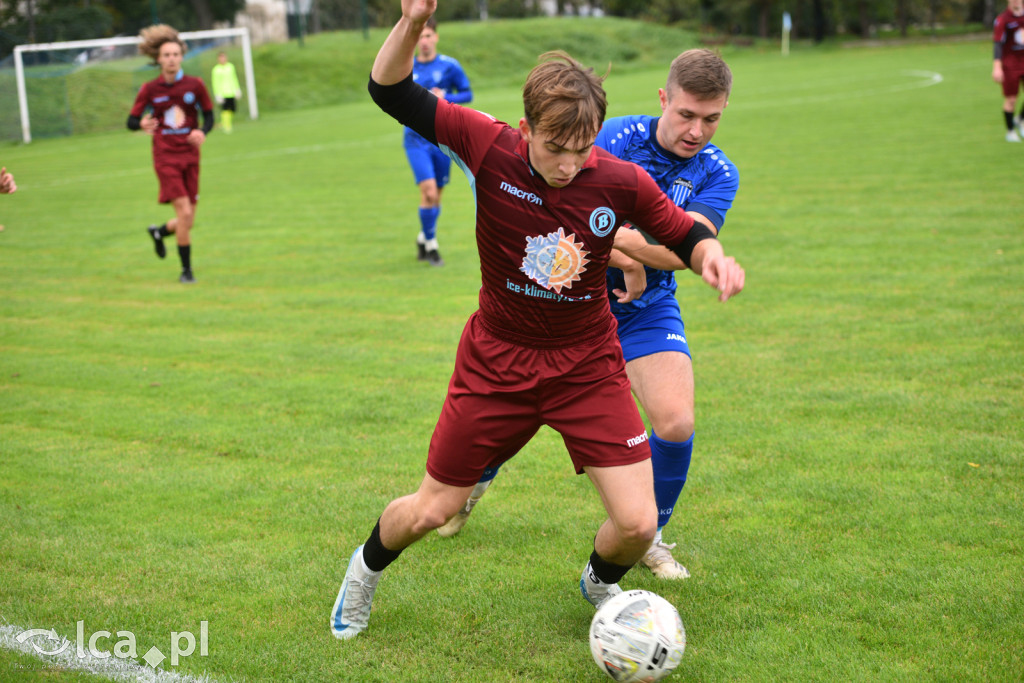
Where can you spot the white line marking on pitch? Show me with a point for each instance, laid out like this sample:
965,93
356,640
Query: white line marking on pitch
67,657
922,79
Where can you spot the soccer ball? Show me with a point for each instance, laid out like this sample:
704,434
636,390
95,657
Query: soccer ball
637,637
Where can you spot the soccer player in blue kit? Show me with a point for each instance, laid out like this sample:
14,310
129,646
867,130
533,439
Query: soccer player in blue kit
443,76
675,149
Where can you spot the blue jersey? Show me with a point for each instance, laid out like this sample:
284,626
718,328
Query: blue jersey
705,183
442,72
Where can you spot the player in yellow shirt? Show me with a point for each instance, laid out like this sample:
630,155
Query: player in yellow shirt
225,89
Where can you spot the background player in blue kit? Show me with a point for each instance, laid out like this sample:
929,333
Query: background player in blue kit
443,76
675,149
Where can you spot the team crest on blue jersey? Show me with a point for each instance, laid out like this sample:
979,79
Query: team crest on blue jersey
189,97
554,260
602,220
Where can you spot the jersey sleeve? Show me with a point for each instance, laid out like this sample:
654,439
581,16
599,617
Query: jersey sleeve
606,136
999,30
466,133
460,91
714,199
141,100
204,102
655,213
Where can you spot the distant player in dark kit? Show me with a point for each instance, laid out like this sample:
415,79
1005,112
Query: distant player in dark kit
542,348
168,108
1008,63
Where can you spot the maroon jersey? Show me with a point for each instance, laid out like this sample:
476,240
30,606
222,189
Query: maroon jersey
176,107
544,250
1009,32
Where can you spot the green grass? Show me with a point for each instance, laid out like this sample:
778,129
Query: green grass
175,454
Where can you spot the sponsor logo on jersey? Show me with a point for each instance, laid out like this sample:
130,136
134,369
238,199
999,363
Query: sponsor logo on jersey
174,117
555,260
522,194
636,440
602,220
162,98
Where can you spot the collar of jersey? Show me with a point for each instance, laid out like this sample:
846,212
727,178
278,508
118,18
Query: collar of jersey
523,152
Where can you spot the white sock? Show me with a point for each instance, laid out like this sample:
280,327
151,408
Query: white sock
366,570
421,238
432,245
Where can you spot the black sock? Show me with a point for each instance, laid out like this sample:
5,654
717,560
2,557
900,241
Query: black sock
164,232
185,254
606,571
1008,115
375,555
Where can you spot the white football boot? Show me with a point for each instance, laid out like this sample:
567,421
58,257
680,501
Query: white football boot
351,612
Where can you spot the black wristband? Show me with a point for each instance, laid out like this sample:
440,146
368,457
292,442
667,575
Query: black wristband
698,233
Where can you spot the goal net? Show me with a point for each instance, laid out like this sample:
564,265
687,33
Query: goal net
84,86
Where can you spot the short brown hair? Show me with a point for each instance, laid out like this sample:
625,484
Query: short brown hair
431,23
564,98
154,37
701,73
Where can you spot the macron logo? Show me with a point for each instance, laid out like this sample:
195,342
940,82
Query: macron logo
636,440
516,192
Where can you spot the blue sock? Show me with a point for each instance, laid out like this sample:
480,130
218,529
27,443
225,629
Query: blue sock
428,221
671,462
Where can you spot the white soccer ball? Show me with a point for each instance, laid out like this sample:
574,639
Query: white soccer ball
637,637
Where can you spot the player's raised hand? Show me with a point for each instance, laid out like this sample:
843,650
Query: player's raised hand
418,11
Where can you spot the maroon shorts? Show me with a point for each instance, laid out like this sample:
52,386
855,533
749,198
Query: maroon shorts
178,178
501,392
1012,73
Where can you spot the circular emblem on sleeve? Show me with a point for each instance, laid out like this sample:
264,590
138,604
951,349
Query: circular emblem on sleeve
602,220
189,97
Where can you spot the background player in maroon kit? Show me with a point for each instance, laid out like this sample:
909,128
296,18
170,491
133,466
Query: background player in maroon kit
1008,63
542,348
168,109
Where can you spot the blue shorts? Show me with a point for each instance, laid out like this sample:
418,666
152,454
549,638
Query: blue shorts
429,163
655,328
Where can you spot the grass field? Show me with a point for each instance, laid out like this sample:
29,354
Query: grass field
172,455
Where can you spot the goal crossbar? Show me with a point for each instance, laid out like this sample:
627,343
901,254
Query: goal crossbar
19,65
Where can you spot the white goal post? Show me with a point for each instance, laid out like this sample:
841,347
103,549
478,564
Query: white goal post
19,66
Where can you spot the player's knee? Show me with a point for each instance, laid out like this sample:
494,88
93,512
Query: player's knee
186,217
639,529
676,426
431,517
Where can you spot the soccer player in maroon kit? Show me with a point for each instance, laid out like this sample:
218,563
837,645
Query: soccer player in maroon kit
168,109
542,348
1008,63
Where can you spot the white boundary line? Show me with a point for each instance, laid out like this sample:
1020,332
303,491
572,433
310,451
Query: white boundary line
922,79
113,668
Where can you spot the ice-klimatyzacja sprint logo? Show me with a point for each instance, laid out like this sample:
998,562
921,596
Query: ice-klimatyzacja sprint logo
47,643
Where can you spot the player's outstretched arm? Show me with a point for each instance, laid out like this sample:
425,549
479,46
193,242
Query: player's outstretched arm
635,246
394,60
